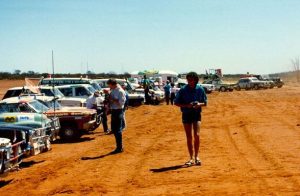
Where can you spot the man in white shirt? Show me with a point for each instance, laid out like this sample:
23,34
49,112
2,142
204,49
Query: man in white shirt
92,101
117,99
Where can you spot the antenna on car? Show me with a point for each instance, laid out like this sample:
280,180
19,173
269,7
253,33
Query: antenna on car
53,81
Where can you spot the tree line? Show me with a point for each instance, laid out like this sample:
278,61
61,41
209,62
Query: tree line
19,75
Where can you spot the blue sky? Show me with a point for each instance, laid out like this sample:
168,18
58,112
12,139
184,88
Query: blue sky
127,35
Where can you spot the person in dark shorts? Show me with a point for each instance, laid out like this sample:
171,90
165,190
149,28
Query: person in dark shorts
191,98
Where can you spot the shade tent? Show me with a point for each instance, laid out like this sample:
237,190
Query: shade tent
161,76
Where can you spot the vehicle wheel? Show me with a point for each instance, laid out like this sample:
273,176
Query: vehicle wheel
137,103
238,88
256,87
19,160
223,89
48,145
230,90
2,165
69,133
279,86
98,120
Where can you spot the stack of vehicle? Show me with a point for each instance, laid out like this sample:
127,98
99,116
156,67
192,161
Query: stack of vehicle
30,120
247,82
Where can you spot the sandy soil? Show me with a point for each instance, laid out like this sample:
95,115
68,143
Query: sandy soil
250,143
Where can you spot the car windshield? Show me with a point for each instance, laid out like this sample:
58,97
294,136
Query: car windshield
49,92
254,79
91,89
52,104
9,107
103,84
38,106
2,108
96,86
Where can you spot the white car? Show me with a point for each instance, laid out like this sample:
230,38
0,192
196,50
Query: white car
209,88
48,91
135,99
77,90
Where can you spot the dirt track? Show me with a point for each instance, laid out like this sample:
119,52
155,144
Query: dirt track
250,143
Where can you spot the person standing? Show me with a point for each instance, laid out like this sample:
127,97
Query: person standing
117,100
173,93
105,107
91,101
146,84
191,98
167,89
97,103
124,87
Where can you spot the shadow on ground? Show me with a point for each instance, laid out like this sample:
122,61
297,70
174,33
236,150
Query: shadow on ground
79,140
171,168
4,183
27,164
97,157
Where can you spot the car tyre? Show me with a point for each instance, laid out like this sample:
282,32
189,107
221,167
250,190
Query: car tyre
69,133
223,89
2,165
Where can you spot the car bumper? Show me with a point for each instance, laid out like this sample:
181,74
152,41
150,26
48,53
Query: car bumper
89,125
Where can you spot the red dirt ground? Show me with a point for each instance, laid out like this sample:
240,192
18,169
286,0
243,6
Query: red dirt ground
250,143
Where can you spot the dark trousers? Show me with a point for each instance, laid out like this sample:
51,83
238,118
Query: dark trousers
104,121
172,98
147,96
101,111
167,98
117,127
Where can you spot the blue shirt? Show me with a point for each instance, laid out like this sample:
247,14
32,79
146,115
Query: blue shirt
167,88
186,95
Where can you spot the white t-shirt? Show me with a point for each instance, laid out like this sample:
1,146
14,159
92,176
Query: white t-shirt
91,101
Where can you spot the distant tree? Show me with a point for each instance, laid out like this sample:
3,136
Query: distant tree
30,72
17,72
296,67
89,72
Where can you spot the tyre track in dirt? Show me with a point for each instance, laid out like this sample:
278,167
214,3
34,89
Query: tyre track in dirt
238,157
272,162
225,137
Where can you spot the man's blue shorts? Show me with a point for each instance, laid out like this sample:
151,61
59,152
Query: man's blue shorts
191,117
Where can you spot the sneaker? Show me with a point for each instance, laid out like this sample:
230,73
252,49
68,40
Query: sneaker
108,132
